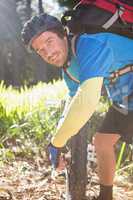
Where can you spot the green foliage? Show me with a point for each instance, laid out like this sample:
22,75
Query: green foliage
29,115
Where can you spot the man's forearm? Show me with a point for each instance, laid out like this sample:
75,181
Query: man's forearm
67,102
79,111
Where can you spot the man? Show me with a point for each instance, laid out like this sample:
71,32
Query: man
88,62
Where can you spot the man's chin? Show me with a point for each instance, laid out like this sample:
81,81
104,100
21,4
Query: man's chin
59,64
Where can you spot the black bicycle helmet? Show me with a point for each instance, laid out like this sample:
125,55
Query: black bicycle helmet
38,24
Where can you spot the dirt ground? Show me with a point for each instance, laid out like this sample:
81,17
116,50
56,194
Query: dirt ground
31,180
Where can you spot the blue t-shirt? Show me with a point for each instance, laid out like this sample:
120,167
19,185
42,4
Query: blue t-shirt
97,55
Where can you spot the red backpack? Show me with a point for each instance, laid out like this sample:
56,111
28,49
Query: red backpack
92,16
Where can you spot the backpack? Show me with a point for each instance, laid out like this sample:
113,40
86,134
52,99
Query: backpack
93,16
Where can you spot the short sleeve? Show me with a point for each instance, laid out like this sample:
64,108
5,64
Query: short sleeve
71,85
94,58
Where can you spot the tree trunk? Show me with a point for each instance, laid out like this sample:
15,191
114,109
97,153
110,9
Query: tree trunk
11,50
28,9
40,7
77,175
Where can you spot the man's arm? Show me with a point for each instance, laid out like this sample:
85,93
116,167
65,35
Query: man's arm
67,102
79,111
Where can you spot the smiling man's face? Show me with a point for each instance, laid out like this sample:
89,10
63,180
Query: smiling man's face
51,48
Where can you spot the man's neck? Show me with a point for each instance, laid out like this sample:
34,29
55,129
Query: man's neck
71,49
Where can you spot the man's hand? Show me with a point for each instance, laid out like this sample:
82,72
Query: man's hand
56,158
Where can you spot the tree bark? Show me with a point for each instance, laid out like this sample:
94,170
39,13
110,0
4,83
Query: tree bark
40,7
11,50
77,174
28,9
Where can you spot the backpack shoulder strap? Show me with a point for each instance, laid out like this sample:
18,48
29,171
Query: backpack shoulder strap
116,74
71,76
73,50
74,43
